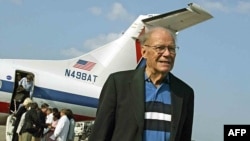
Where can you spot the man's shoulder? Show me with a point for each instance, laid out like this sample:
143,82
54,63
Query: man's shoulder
179,81
127,73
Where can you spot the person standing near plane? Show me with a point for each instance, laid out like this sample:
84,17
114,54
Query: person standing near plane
31,122
62,127
41,113
71,133
149,103
20,112
56,117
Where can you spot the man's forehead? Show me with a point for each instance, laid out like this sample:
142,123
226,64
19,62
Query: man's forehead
160,40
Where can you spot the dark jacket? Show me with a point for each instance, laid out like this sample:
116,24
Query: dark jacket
31,118
120,113
18,116
41,123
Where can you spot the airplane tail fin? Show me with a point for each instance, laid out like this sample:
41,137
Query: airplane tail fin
124,53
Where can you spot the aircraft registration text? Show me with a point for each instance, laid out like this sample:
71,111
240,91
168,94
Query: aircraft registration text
80,75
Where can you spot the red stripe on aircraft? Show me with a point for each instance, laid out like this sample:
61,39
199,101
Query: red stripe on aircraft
138,50
83,118
138,46
4,107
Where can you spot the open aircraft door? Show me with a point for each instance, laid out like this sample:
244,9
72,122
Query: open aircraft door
15,101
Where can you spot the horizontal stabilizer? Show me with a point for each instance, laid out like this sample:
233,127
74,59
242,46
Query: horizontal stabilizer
179,19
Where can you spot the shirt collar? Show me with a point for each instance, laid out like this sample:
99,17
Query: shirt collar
166,79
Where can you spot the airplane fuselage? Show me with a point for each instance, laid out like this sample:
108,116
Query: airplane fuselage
76,83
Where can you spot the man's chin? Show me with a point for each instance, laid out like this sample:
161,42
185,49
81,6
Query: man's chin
167,70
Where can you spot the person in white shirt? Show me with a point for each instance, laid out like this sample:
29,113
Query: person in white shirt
49,120
62,128
49,117
27,84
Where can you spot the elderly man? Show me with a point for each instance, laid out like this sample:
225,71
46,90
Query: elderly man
146,104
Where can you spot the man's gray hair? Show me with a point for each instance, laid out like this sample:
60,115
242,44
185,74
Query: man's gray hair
144,37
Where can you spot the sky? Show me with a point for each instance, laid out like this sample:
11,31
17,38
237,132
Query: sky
213,57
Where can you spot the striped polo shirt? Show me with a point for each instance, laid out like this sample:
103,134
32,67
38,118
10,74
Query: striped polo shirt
157,111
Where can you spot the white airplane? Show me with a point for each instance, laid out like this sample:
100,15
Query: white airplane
76,83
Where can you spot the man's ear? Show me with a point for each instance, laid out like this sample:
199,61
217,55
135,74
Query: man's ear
143,52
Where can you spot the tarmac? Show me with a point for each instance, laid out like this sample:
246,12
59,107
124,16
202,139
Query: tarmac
2,133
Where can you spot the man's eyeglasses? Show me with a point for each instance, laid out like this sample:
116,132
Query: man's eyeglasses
162,49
